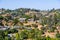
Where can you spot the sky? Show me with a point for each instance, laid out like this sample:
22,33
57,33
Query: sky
36,4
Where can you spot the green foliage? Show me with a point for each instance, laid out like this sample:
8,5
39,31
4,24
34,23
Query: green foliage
7,11
28,25
4,34
58,35
1,17
8,18
26,16
12,31
52,29
15,21
34,25
34,17
7,38
30,34
17,36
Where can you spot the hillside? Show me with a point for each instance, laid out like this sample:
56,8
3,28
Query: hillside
29,24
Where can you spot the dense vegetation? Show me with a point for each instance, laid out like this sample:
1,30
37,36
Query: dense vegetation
50,21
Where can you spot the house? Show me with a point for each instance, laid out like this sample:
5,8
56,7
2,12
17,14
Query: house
12,35
38,21
30,20
22,19
0,11
9,35
3,28
28,28
58,28
7,26
16,27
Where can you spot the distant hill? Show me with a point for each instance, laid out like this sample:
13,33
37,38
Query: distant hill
21,11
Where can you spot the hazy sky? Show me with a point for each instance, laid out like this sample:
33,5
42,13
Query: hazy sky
37,4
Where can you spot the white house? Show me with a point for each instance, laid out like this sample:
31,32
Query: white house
22,19
31,20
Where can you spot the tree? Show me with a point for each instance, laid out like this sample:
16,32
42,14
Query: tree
8,11
34,25
2,35
1,17
7,38
23,35
15,21
17,36
58,35
34,17
12,31
48,38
